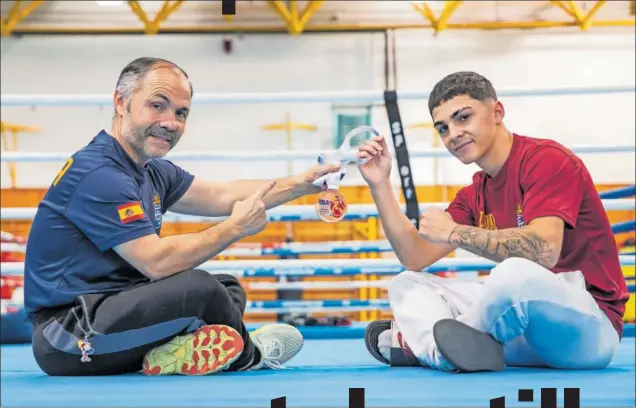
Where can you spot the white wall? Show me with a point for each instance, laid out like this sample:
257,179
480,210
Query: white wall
323,62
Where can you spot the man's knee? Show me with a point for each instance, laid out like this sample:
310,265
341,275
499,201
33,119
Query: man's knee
413,288
519,270
201,285
515,276
401,283
229,281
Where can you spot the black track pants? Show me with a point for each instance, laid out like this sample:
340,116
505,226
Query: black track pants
122,327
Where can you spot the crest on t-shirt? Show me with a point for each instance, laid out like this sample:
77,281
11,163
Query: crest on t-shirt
520,221
487,221
156,202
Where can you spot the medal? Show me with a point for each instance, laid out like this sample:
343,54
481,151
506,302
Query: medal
331,206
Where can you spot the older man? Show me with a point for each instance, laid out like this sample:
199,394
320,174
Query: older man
106,293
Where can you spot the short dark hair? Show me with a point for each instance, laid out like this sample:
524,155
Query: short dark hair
460,83
137,69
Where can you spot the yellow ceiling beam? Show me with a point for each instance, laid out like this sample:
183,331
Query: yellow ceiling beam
426,11
198,29
310,9
166,10
306,14
576,11
438,23
140,13
447,12
293,11
292,17
584,21
17,14
561,4
153,26
587,20
15,8
283,12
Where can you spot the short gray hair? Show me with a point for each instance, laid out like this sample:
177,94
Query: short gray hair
136,70
456,84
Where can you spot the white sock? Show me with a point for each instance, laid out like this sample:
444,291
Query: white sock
384,344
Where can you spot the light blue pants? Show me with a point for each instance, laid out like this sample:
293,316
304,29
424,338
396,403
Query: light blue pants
543,319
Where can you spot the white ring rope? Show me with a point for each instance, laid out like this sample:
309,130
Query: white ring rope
277,155
288,306
325,267
312,310
328,267
255,307
283,249
301,212
372,96
12,247
318,285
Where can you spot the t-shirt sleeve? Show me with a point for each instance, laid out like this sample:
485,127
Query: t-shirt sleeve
172,181
459,208
107,209
552,183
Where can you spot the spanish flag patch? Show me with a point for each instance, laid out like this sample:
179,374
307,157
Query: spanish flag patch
130,212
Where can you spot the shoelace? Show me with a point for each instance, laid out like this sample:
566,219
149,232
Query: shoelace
270,347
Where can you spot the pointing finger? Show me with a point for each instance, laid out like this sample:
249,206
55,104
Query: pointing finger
266,188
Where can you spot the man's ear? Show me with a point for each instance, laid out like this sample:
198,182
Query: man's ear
499,112
120,104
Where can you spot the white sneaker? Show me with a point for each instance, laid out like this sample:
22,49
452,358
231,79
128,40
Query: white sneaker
277,343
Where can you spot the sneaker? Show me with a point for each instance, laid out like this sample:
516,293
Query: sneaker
277,344
371,336
207,350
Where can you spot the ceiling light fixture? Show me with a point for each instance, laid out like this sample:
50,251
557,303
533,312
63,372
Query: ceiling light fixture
109,3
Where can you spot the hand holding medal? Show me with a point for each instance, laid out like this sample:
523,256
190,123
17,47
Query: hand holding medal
331,205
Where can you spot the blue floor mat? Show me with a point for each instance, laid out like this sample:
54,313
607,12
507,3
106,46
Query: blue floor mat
320,377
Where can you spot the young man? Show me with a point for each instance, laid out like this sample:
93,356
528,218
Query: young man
107,294
556,297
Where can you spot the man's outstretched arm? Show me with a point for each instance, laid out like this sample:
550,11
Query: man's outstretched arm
209,198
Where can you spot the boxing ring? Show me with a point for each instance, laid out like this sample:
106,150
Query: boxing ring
334,358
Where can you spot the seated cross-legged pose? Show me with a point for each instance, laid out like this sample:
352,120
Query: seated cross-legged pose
106,293
557,296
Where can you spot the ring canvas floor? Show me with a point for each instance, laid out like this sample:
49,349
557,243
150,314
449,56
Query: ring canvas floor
320,376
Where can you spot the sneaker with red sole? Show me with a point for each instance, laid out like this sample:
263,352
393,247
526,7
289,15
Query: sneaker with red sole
209,349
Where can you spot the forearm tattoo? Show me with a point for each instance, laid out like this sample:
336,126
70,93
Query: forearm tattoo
498,245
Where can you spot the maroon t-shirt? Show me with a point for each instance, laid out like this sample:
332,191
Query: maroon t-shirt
542,178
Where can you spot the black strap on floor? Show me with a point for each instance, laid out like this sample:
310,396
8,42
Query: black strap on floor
402,156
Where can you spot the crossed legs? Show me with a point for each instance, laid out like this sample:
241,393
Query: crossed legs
542,319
